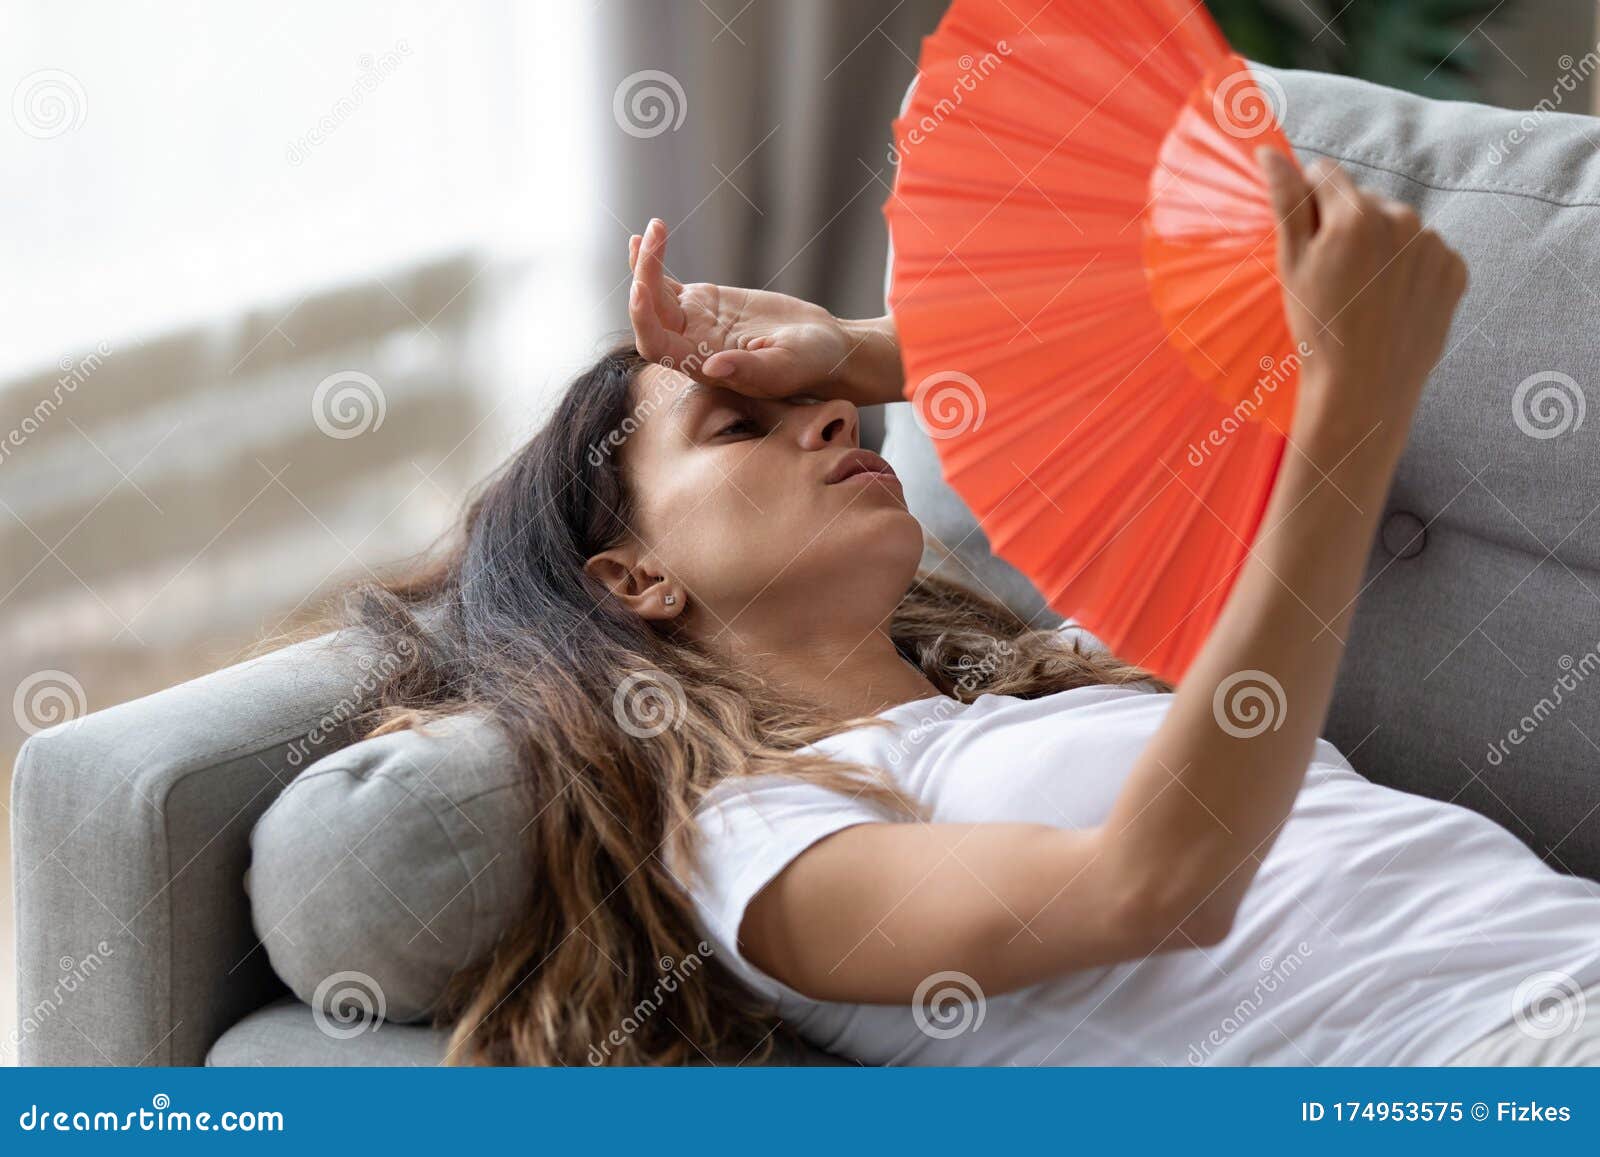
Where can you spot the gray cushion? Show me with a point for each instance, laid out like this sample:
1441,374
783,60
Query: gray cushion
1473,669
289,1033
396,859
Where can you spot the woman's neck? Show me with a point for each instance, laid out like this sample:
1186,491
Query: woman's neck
845,676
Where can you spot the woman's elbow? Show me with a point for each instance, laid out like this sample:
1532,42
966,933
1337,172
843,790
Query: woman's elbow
1164,918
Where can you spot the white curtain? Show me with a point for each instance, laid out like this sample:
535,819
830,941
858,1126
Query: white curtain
214,218
167,162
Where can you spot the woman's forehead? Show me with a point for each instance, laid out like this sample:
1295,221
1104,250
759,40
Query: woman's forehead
660,390
659,401
664,399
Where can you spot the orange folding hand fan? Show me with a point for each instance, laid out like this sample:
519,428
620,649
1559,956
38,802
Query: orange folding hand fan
1089,314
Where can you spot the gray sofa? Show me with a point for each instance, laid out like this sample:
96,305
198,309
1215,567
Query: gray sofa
1473,675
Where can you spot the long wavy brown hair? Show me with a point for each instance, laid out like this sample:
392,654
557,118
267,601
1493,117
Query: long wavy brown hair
622,728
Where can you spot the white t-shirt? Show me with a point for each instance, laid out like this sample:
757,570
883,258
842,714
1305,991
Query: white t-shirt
1383,928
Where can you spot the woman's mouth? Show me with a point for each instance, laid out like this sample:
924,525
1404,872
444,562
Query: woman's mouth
860,464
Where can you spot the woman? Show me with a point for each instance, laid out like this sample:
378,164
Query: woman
758,741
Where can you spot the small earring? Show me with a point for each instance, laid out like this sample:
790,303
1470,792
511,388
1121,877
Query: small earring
670,599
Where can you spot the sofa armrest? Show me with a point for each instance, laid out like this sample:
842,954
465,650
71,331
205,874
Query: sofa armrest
131,830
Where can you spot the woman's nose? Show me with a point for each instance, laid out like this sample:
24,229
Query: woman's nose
833,422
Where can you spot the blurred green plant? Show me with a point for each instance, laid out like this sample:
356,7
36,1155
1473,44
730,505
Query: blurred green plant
1423,46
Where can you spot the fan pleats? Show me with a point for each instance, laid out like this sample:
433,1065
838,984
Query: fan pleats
1086,295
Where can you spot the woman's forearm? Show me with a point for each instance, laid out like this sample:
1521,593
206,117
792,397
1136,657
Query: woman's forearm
1210,792
872,374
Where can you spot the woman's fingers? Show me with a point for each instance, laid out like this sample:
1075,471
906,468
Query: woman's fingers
767,372
1292,204
1338,198
653,340
653,307
1404,221
650,270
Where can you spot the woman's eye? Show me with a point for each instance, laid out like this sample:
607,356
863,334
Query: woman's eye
739,426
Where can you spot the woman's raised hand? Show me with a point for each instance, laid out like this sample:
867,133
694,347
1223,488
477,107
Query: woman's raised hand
760,343
764,344
1368,291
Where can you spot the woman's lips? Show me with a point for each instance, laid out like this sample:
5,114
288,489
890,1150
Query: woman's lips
859,464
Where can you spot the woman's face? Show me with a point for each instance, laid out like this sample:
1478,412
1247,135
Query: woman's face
765,515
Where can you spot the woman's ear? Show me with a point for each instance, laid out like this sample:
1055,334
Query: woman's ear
638,584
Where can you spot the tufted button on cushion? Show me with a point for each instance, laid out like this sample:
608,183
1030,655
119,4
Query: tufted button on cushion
1404,535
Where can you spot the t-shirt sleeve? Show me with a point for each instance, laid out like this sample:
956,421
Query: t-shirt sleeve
750,830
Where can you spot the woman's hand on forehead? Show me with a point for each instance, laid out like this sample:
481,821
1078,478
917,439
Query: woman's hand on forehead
752,341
